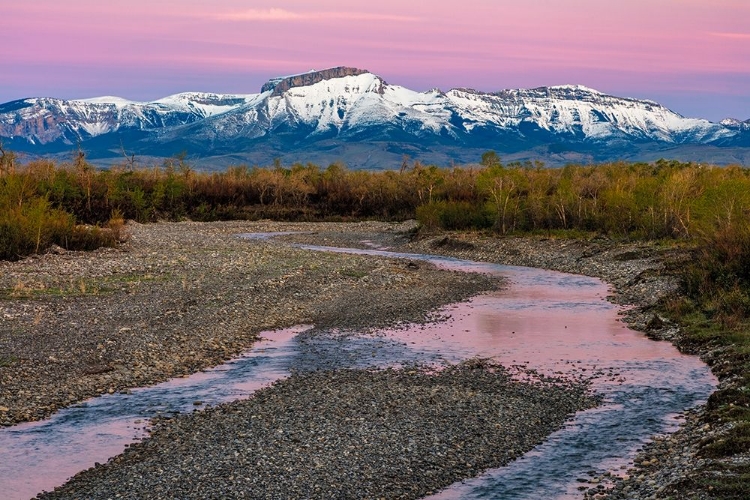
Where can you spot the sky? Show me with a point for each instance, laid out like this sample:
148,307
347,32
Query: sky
692,56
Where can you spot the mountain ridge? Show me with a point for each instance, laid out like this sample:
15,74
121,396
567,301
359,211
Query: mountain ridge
324,110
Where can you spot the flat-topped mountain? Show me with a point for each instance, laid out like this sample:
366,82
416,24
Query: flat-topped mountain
281,84
353,115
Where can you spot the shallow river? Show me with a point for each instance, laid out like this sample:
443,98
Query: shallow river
548,321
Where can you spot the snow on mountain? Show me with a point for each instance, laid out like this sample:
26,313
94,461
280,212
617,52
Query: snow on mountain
348,104
117,102
579,111
733,123
351,104
203,104
46,120
337,106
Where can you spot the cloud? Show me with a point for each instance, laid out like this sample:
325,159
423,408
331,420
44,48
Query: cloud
281,15
261,15
735,36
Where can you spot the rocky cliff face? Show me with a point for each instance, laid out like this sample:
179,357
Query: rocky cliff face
281,85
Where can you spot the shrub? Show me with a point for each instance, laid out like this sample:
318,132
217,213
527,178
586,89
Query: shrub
85,237
455,215
31,228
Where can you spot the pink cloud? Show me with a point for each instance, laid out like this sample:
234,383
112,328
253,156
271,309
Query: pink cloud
145,47
287,15
733,36
261,15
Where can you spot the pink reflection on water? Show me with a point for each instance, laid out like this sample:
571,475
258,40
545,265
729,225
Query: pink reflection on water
39,456
548,325
43,469
480,328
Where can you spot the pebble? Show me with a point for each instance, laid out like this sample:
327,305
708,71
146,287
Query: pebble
342,434
181,297
150,308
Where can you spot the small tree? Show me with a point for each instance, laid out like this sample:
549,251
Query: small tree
490,159
7,161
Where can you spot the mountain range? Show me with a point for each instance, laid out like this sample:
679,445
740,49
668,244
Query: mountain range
351,115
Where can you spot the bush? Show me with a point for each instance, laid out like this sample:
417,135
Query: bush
455,215
90,238
31,228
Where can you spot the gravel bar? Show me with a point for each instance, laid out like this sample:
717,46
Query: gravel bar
181,297
342,434
641,274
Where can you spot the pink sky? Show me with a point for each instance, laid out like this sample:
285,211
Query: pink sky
691,55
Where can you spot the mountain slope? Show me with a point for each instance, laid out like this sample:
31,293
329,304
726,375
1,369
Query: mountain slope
321,111
47,120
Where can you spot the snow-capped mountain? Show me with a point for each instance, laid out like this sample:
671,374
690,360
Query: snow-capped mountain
348,105
48,120
347,109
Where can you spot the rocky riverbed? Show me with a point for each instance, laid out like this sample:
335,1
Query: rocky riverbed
641,274
342,434
179,297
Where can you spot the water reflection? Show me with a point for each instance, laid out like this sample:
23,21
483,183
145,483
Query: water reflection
38,456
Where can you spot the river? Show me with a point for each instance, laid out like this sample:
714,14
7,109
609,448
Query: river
555,323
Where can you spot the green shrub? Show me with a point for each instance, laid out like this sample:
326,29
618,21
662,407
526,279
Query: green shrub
455,215
90,238
32,227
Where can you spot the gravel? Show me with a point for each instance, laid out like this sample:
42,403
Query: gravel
183,296
641,274
342,434
180,297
